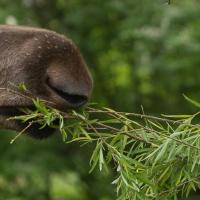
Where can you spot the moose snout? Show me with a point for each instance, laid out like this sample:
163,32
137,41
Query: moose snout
51,67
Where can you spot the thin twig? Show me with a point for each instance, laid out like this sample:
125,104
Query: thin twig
20,133
92,110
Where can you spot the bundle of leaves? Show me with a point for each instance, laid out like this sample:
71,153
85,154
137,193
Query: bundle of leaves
151,157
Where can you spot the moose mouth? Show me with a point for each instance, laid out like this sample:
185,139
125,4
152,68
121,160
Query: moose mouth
34,130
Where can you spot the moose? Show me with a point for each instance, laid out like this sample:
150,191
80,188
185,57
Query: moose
51,67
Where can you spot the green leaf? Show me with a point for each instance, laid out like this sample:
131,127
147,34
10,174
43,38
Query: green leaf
195,103
22,87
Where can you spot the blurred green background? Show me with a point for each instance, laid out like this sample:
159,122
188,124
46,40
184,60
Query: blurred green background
139,52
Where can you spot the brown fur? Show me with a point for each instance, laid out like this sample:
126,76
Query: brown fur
45,62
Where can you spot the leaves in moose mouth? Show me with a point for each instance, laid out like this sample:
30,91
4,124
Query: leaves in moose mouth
38,120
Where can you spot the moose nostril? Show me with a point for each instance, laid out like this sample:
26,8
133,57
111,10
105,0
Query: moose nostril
75,100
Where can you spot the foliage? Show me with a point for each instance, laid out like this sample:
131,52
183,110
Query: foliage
151,157
140,53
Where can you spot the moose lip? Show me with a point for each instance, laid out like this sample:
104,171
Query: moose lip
34,130
11,111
